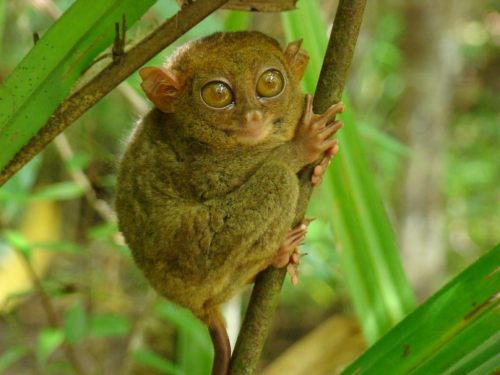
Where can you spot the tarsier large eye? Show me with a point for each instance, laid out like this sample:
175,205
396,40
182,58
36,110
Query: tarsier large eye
270,83
217,94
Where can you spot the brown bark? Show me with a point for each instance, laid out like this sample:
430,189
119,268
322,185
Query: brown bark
255,5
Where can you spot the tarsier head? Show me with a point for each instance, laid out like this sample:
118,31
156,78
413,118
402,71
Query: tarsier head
231,89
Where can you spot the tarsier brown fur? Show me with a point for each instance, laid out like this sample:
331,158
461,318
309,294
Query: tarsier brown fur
210,181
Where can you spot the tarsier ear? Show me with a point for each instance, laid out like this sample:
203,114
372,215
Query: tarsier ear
297,58
162,87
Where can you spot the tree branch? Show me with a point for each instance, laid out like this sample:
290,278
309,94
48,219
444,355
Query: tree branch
106,80
268,283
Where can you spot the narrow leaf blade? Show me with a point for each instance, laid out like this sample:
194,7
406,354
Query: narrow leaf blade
453,330
45,76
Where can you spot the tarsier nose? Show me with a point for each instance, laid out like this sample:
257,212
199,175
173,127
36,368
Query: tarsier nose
254,117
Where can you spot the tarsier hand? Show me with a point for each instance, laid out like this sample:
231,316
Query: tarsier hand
314,137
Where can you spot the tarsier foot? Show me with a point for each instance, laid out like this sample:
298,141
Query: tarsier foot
293,239
293,266
288,254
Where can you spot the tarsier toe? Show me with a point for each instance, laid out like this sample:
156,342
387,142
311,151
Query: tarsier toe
288,252
281,260
294,273
316,180
293,266
318,170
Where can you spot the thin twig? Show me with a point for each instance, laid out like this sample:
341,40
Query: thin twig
268,283
110,77
51,313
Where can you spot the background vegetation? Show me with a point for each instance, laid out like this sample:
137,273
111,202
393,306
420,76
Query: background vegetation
422,98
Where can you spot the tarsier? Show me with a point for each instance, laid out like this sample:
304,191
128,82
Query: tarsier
211,179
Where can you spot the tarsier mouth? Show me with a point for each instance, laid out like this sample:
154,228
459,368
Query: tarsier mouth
255,128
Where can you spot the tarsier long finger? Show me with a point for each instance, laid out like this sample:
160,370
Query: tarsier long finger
208,187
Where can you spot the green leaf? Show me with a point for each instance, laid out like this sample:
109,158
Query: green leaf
194,348
2,22
49,340
18,242
58,191
78,161
385,141
379,289
457,331
103,231
75,323
155,361
11,356
16,190
184,320
46,75
59,246
306,23
237,21
106,325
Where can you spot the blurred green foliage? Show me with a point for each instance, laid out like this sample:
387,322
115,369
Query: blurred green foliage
105,312
379,290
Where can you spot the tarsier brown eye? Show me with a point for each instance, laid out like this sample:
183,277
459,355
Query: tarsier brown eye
217,94
270,83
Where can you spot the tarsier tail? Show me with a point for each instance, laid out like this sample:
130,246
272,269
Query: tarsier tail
220,341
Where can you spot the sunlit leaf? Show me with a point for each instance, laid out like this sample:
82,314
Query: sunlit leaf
79,161
378,286
103,231
106,325
49,340
59,246
58,191
11,355
237,21
155,361
194,348
46,75
75,323
15,192
457,331
2,21
18,242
